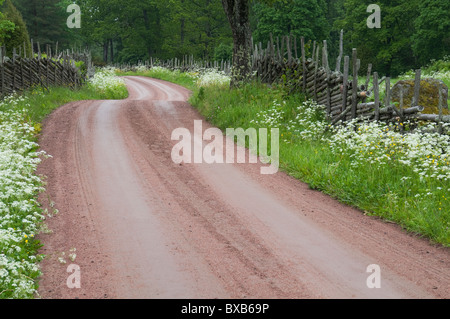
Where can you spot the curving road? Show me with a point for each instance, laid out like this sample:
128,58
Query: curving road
145,227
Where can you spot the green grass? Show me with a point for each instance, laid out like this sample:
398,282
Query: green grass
180,78
40,103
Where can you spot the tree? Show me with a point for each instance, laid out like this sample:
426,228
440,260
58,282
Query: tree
6,26
163,29
238,14
17,37
194,27
305,18
101,25
45,20
387,48
431,39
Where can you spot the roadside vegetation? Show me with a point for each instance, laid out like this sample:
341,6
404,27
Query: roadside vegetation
21,216
400,178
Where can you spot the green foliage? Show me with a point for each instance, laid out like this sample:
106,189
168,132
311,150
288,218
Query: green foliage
442,65
299,18
223,52
6,26
387,48
46,21
432,37
412,33
18,36
164,29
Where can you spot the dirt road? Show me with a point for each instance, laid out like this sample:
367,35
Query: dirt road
145,227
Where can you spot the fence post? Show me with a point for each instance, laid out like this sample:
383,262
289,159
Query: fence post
46,67
387,99
341,52
316,68
355,83
376,91
327,70
345,83
303,62
14,69
289,50
314,50
441,105
39,60
2,67
415,101
369,72
401,107
295,49
22,77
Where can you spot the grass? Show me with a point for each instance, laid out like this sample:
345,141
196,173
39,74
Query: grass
184,79
395,192
38,103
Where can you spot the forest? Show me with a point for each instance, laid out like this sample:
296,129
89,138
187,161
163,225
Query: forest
412,32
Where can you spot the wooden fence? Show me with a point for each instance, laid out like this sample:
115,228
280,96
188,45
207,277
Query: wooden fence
339,91
20,72
185,64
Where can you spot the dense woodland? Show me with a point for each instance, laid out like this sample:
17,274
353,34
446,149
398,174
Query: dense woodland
412,32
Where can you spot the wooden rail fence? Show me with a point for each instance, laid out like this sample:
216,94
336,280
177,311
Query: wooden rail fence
21,72
339,91
185,64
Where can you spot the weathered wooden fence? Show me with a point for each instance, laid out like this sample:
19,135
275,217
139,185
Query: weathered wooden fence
339,91
185,64
20,72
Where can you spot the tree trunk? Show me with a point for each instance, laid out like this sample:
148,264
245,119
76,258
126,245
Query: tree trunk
238,15
112,50
105,51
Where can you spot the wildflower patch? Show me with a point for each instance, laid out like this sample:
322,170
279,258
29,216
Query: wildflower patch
20,213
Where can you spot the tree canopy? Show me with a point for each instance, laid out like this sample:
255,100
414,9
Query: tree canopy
412,32
14,33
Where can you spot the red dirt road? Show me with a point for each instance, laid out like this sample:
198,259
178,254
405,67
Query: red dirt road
144,227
